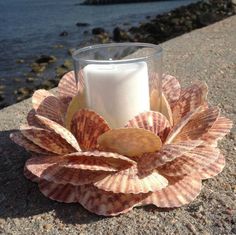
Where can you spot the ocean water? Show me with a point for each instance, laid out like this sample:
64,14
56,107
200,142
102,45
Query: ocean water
29,28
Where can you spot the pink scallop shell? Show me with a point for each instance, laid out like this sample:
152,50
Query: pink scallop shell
87,126
191,162
59,192
60,130
128,181
190,99
19,139
152,121
106,203
213,169
171,89
47,140
48,105
181,191
168,153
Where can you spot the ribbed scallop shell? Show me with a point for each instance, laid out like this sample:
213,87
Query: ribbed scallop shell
77,168
171,89
77,103
60,130
87,126
47,140
150,161
191,162
151,121
31,119
68,87
59,192
213,169
48,105
199,125
128,181
190,99
181,191
131,142
105,203
220,128
160,104
19,139
52,169
31,176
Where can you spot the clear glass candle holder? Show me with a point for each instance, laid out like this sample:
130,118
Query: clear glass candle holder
120,80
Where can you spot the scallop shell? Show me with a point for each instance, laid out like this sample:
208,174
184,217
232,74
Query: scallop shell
105,203
59,192
87,126
47,140
64,175
151,121
31,119
190,99
130,142
213,169
19,139
178,128
68,87
48,105
52,169
220,128
128,181
199,125
31,176
150,161
78,102
161,105
171,89
60,130
191,162
181,191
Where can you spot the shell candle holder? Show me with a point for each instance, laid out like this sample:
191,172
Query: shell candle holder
159,156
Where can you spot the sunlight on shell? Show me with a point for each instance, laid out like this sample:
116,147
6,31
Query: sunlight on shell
130,142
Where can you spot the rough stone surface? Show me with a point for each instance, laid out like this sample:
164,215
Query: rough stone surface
207,54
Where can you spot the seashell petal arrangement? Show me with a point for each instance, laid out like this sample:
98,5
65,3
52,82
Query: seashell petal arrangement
157,158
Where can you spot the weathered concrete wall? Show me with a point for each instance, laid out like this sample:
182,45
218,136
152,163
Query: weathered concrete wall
207,54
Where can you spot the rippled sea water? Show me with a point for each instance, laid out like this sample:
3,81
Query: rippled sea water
29,28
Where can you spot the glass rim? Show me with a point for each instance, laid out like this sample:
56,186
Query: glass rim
158,52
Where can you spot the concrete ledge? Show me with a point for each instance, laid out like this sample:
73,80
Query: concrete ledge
207,54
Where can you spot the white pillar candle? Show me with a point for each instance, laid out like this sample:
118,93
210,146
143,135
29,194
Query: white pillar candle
117,92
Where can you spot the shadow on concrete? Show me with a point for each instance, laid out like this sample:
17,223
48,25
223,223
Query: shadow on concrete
20,197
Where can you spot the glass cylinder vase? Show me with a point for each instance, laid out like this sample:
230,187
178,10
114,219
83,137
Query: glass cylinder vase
120,80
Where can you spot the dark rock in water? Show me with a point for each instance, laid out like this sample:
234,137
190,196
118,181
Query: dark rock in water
71,50
64,33
48,84
20,61
81,24
30,79
58,46
68,64
3,105
38,68
120,35
23,93
103,38
46,59
60,71
98,30
86,32
2,97
206,19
